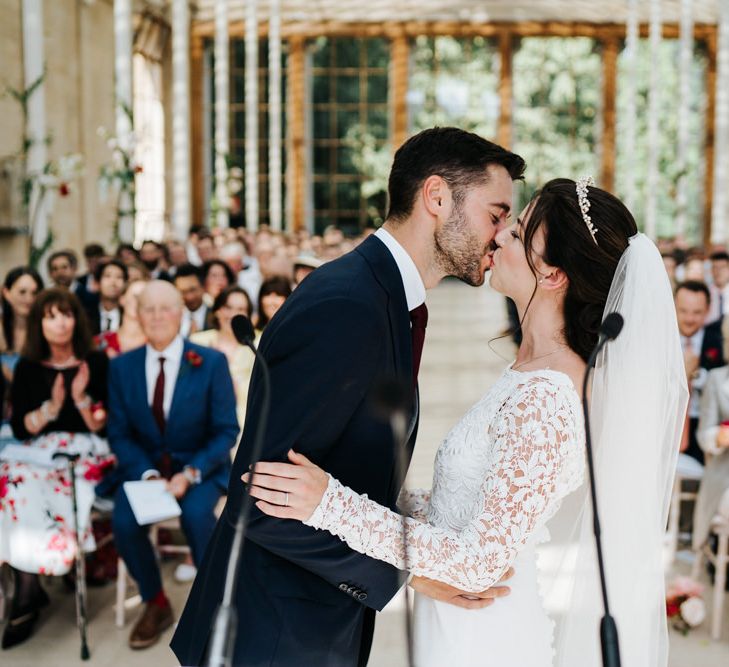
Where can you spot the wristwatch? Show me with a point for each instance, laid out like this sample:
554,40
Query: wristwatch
191,474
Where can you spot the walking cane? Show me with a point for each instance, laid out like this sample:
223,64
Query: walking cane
80,562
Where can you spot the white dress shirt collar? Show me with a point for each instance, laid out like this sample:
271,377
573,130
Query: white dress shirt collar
113,316
173,357
411,280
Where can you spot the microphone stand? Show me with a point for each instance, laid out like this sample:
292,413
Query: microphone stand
393,398
608,629
226,619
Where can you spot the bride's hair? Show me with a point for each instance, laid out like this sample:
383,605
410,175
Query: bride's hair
569,246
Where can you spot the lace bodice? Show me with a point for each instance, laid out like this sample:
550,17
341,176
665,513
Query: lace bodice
500,474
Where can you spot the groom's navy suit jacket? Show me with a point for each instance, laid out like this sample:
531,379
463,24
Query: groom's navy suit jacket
304,597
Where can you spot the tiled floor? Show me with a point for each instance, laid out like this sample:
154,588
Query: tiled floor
458,367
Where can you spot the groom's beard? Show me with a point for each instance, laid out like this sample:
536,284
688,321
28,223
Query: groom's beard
459,253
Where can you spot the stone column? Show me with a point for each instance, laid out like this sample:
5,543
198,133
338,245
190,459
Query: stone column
631,73
275,205
33,67
251,98
222,104
684,99
721,132
654,108
123,101
181,185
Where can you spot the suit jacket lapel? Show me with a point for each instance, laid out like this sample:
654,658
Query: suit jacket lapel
139,380
182,387
388,275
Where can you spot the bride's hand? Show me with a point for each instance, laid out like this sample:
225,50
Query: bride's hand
288,490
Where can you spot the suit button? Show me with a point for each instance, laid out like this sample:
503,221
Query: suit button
343,587
361,596
351,590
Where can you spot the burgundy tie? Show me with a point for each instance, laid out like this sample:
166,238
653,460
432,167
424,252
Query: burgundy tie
418,321
158,398
158,410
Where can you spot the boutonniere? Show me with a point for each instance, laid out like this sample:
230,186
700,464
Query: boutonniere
712,354
193,358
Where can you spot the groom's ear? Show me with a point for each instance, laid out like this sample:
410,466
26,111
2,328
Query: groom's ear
436,196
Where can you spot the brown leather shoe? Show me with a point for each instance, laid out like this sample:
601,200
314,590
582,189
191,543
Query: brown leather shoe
153,622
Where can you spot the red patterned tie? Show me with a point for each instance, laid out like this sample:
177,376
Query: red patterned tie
418,321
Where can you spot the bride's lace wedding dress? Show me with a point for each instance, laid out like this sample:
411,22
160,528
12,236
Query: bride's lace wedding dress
500,474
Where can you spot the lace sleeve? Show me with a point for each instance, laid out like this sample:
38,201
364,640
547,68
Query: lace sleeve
414,503
536,433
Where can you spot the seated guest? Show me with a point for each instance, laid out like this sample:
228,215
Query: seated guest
172,416
246,268
702,346
152,255
62,266
94,255
177,254
130,334
19,291
272,296
205,247
56,398
719,286
303,266
195,314
127,253
231,302
107,314
216,276
713,437
20,288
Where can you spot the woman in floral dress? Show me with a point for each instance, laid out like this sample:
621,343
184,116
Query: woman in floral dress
57,403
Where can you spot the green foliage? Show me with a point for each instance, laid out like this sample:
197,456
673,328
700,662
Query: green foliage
454,81
37,252
669,173
556,105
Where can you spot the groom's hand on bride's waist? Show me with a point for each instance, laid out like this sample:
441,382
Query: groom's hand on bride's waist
445,593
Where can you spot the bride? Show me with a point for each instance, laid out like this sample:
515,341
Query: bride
511,475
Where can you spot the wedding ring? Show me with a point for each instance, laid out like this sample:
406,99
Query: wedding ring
286,503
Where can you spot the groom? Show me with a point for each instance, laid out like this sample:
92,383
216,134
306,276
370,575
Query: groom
305,598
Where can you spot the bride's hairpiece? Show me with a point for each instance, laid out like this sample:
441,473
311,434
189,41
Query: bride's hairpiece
584,203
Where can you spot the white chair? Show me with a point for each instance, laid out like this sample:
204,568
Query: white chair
122,603
720,561
688,469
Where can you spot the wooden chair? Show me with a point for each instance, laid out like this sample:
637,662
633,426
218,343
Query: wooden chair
690,471
720,561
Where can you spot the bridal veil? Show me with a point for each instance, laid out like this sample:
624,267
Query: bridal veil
638,405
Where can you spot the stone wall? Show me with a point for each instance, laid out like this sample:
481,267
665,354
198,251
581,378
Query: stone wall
79,97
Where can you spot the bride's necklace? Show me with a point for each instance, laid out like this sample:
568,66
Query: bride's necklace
541,356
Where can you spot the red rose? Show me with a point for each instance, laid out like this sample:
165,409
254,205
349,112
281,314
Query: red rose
63,190
672,609
193,358
3,486
712,353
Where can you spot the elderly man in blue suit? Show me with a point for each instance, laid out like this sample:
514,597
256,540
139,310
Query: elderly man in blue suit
171,415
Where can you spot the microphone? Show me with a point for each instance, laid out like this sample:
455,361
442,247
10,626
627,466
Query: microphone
611,327
243,330
609,330
392,401
222,642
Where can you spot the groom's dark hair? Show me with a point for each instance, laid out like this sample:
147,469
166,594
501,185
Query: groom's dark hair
460,158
